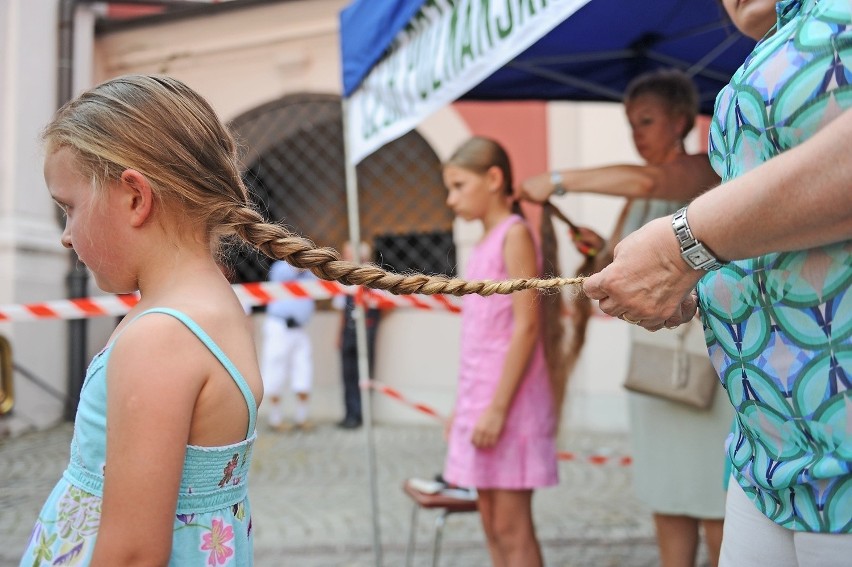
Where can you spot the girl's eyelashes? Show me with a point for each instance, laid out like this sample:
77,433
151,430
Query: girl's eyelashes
62,207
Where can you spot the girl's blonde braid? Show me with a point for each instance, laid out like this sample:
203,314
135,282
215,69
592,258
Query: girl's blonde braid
278,243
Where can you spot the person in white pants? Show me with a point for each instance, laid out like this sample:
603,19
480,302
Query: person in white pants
287,355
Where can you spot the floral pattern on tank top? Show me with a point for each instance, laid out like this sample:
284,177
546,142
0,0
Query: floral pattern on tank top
212,524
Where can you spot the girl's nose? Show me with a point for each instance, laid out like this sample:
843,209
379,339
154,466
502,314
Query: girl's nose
65,239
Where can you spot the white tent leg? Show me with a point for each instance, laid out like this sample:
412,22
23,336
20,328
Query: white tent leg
361,337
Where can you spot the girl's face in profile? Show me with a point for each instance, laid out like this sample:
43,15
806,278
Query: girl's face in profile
752,17
91,228
467,192
656,133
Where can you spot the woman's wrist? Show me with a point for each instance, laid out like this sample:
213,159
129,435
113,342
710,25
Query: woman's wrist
557,182
693,251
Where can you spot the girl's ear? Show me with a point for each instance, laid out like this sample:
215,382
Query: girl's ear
139,196
494,177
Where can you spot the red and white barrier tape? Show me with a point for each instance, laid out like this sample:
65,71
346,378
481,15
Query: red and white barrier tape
69,308
397,395
594,459
249,294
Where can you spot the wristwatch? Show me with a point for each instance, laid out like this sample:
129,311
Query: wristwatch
694,253
558,183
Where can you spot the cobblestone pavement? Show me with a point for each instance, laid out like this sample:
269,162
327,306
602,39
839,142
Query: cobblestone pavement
311,500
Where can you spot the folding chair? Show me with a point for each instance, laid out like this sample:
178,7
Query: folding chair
446,504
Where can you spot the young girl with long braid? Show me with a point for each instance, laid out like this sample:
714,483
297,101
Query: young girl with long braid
502,438
149,181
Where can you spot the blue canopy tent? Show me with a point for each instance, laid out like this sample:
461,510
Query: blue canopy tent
404,59
591,57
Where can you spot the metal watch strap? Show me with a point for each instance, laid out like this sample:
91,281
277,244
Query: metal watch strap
693,251
558,183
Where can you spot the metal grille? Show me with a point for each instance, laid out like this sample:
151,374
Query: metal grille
294,167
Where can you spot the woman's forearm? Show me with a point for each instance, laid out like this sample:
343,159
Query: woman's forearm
618,180
798,200
681,180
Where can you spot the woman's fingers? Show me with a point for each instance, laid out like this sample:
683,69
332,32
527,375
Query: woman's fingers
688,309
647,282
587,241
593,287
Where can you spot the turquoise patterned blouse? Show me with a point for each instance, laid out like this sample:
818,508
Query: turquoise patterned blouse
779,326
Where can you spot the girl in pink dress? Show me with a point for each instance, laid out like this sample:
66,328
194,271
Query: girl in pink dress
502,435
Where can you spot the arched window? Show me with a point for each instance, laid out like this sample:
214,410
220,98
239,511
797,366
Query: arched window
294,167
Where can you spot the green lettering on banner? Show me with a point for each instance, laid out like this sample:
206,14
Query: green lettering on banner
504,29
444,39
452,40
435,73
484,26
528,8
418,51
395,102
445,33
521,11
429,71
368,125
466,42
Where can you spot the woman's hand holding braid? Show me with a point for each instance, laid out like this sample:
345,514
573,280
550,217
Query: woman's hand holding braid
537,188
648,283
587,241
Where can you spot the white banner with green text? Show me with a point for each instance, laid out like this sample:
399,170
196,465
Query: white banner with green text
449,47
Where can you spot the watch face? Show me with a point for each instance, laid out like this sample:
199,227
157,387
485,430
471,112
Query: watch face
693,252
699,257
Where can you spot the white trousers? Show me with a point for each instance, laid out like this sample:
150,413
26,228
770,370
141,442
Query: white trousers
750,539
286,357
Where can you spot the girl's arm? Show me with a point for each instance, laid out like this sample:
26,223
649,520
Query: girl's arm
681,180
520,257
797,200
155,372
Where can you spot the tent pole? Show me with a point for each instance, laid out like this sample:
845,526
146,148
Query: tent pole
361,334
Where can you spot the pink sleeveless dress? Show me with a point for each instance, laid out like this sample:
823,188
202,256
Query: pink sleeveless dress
525,454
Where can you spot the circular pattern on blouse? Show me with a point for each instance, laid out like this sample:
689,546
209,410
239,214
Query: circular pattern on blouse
779,326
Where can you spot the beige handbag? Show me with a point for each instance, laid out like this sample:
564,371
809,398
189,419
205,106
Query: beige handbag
672,364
